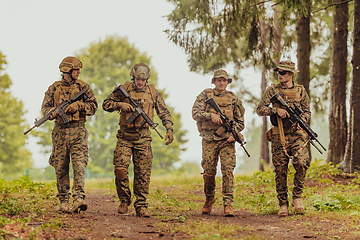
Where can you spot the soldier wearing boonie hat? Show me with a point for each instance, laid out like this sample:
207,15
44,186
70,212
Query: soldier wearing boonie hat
286,66
218,146
221,74
287,142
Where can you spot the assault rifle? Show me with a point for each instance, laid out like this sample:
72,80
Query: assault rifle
228,125
138,111
60,110
295,117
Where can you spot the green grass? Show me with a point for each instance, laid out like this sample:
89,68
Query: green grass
176,201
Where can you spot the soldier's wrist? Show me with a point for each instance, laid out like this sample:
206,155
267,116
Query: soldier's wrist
274,110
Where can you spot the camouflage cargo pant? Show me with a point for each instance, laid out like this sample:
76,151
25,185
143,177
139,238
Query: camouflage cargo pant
69,144
301,162
211,152
142,157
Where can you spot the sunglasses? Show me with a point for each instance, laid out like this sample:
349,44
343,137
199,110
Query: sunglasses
282,72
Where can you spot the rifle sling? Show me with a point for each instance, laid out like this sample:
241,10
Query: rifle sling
282,135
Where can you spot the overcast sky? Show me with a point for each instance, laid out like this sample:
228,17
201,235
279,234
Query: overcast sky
36,35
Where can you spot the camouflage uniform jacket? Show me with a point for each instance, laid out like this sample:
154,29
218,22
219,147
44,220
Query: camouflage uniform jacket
199,114
110,104
90,103
263,108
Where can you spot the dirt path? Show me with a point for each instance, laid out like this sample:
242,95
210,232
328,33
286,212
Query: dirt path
101,221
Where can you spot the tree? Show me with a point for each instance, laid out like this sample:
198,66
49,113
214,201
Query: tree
244,33
337,115
107,64
14,157
351,161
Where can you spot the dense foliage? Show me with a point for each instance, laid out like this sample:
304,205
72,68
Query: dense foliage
14,157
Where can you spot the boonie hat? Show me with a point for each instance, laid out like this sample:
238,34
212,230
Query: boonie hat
219,74
286,66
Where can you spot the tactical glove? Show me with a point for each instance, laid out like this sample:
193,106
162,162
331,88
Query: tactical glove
75,106
125,107
54,114
169,136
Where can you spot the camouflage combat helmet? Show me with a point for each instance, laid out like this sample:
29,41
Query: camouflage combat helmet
70,63
221,73
140,70
286,65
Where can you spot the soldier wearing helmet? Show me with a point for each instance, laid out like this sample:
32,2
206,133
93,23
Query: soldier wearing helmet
70,140
216,146
135,139
287,143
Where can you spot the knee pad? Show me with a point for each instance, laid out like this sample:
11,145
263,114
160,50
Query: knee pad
208,178
120,172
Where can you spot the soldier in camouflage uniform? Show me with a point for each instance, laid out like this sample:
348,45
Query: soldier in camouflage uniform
216,146
70,140
135,140
287,143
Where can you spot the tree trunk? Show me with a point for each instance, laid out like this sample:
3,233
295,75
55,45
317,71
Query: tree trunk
303,53
345,165
264,146
337,115
355,92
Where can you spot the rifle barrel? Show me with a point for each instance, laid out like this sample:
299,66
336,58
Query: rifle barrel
29,130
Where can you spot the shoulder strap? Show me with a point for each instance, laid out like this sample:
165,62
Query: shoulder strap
57,84
126,85
151,87
209,93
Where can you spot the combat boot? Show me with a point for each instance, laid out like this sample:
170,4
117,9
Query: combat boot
298,206
206,209
142,212
79,205
65,207
284,211
123,207
228,211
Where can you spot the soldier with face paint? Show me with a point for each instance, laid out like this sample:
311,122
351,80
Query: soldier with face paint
70,140
287,143
215,147
134,140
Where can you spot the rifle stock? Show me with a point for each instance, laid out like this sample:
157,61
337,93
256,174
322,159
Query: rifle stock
228,125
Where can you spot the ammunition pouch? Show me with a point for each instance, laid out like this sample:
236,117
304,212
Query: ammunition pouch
268,134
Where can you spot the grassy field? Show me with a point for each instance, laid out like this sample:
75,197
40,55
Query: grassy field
329,196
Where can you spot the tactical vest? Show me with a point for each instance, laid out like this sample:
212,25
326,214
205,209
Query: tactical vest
146,101
225,104
290,95
63,93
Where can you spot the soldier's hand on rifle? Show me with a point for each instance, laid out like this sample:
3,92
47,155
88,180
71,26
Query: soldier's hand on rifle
282,113
54,114
231,138
125,107
215,118
169,137
74,107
